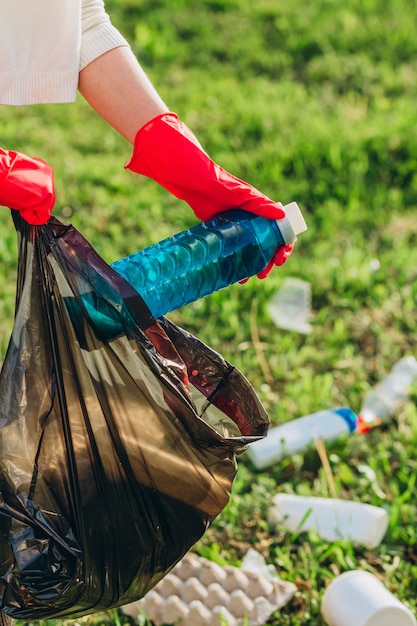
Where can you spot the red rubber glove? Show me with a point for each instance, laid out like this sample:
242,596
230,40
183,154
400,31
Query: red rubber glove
27,186
167,151
280,257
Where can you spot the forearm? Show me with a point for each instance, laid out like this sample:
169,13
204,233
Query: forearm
117,88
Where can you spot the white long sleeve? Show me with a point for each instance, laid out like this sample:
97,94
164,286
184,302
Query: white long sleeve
45,43
98,35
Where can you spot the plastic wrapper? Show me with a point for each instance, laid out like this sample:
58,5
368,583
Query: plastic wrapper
118,441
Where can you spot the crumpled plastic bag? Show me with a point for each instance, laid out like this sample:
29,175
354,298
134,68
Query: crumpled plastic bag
118,441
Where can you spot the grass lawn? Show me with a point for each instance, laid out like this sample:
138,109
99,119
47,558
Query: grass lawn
313,102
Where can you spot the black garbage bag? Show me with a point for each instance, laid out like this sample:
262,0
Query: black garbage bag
118,435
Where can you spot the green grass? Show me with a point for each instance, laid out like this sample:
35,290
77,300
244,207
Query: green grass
313,102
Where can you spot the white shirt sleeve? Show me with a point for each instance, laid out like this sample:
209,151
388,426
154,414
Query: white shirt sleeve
98,35
45,43
40,46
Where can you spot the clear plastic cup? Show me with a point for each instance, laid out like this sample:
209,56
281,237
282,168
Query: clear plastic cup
290,307
358,598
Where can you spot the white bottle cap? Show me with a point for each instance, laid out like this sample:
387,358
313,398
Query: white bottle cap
295,217
293,223
358,598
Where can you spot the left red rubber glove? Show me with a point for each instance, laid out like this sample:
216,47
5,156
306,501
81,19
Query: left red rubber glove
166,150
27,186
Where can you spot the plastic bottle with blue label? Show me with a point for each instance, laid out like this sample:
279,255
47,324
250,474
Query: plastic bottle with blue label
298,435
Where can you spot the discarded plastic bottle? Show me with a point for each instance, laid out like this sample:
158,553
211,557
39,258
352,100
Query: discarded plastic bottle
333,519
230,247
384,400
298,435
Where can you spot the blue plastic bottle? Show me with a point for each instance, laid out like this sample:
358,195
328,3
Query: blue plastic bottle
230,247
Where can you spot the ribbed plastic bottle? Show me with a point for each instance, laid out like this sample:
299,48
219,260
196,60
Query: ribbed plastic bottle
298,435
230,247
384,400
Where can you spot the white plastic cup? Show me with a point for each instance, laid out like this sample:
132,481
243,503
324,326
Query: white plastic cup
333,519
358,598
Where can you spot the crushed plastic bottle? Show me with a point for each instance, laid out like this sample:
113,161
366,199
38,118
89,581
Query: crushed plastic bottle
298,435
385,399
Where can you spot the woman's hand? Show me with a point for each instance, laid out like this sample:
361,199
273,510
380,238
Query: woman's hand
27,186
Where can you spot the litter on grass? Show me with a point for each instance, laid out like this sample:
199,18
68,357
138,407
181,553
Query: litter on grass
199,591
290,307
332,519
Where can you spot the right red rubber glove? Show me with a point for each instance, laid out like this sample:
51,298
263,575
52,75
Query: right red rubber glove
27,186
166,150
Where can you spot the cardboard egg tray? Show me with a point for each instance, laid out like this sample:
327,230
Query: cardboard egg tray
199,592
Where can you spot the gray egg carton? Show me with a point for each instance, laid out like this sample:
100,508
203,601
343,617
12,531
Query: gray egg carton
199,592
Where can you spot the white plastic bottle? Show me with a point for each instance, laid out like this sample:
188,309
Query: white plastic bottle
384,400
333,519
298,435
